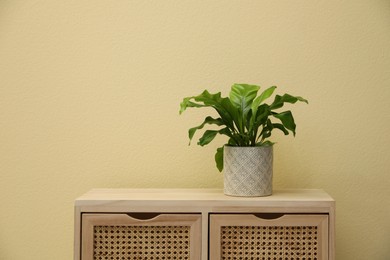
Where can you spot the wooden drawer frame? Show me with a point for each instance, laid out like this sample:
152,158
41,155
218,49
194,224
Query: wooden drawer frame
115,229
206,203
251,236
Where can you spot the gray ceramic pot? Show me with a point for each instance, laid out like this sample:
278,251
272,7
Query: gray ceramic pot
248,171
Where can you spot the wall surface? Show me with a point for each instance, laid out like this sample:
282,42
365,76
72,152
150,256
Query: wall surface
90,93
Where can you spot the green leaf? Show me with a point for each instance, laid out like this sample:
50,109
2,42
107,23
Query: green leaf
208,99
226,131
219,158
262,115
263,96
286,98
266,131
208,120
257,102
287,120
242,96
233,142
207,137
223,106
229,114
280,127
188,103
266,143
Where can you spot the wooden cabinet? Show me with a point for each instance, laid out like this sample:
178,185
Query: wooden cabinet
203,224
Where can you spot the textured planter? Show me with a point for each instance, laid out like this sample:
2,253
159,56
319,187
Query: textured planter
248,171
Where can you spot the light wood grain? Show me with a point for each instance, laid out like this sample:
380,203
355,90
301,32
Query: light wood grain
193,221
204,202
217,221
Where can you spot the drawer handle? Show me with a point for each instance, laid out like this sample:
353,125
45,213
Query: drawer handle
143,216
268,215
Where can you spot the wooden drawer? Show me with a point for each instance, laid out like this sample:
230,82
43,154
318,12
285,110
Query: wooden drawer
268,236
141,236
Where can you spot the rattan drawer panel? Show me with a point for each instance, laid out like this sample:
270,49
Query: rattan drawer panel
289,237
122,236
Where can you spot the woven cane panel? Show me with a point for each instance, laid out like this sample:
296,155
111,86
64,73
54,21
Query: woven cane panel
274,242
141,242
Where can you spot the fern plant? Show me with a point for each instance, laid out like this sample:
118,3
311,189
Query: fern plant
243,116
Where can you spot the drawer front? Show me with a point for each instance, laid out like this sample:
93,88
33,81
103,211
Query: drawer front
141,236
251,236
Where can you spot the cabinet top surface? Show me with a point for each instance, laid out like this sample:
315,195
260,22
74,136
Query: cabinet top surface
199,195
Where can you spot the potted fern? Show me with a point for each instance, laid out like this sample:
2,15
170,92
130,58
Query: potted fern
248,122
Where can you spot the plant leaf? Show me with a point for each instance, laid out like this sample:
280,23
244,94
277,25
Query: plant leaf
223,106
230,114
208,120
257,102
233,142
207,137
219,158
287,120
286,98
226,131
242,96
280,127
263,96
262,115
188,103
266,143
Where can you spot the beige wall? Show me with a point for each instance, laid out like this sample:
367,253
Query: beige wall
90,92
